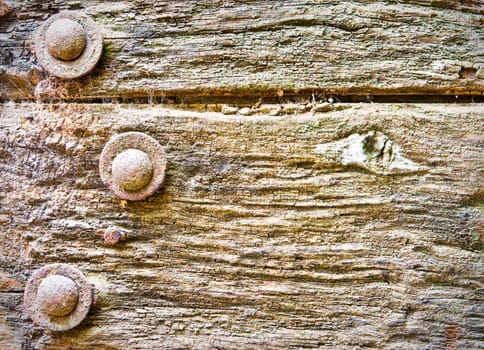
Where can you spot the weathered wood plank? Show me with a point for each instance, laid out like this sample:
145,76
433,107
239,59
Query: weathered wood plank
189,50
259,238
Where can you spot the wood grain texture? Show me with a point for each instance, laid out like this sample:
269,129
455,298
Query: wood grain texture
257,241
195,50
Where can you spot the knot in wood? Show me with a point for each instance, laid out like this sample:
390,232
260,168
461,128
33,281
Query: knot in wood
65,39
132,170
57,295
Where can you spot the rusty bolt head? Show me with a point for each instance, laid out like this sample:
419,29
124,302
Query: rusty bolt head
132,170
57,295
133,165
113,235
65,39
69,44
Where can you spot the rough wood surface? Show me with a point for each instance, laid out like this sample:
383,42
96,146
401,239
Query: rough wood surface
189,50
269,233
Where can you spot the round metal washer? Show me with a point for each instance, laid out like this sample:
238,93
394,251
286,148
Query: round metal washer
58,323
139,141
82,64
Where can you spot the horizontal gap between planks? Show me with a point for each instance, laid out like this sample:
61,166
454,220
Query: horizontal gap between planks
248,101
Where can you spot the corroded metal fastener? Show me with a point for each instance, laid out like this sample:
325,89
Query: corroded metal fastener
58,297
66,39
113,235
133,165
69,44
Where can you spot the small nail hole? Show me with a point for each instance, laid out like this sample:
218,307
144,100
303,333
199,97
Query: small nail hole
468,73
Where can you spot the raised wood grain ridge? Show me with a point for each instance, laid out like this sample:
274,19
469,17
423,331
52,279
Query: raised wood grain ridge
201,50
259,240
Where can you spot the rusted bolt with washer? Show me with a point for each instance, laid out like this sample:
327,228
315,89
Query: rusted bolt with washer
133,165
69,44
58,297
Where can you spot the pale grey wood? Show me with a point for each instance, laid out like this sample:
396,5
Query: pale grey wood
200,50
259,239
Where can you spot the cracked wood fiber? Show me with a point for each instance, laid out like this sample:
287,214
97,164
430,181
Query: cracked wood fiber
358,228
189,50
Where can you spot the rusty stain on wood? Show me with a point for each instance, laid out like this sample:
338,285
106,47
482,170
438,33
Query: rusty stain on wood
451,335
5,9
